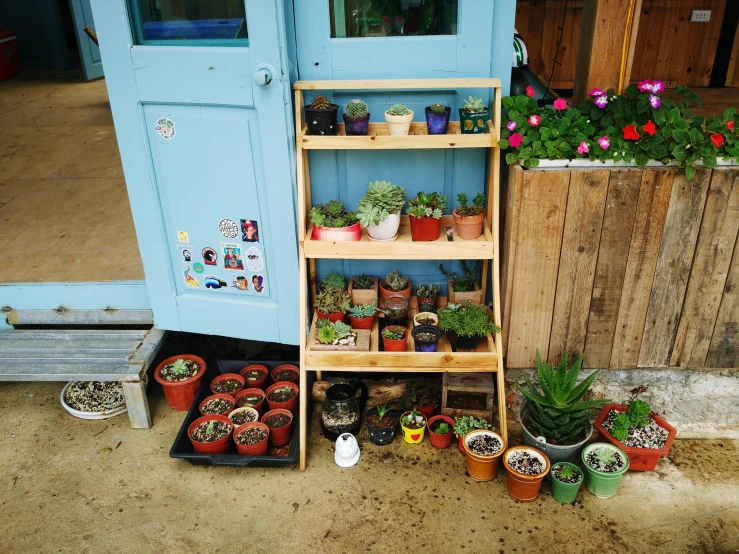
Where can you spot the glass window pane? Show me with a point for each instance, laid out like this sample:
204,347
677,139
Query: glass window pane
202,22
392,18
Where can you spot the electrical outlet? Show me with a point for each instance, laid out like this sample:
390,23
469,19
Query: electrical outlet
700,16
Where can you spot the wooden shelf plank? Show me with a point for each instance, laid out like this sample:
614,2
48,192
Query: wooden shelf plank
395,84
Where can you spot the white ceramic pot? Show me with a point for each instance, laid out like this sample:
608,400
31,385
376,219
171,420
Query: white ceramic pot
386,230
428,315
399,124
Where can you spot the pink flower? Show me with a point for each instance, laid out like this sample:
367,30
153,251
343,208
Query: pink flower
530,91
601,101
534,120
657,87
560,104
515,140
597,92
604,142
645,86
654,101
511,125
583,148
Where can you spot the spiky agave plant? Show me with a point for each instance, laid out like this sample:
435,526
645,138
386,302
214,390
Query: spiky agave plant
557,412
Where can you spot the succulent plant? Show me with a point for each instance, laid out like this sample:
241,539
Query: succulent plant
635,416
413,418
475,209
604,456
363,310
465,424
427,292
474,105
334,281
443,429
399,109
321,103
328,333
394,332
438,108
179,367
395,282
427,205
356,109
332,301
469,320
466,283
381,199
363,282
332,214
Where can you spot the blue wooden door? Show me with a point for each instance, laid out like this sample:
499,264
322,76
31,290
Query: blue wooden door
92,64
200,100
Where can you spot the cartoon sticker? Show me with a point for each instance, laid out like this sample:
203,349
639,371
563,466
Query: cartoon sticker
232,256
228,228
165,128
254,259
249,230
183,236
190,281
186,253
213,282
210,257
240,282
258,282
198,268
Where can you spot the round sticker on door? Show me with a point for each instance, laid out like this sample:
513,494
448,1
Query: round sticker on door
253,258
165,128
228,228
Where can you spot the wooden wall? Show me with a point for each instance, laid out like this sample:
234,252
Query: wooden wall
669,47
635,268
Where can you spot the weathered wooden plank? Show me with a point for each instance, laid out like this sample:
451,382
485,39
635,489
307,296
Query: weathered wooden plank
512,217
67,372
80,317
579,254
684,214
23,355
148,349
542,209
618,222
72,334
137,405
716,240
651,211
724,350
67,346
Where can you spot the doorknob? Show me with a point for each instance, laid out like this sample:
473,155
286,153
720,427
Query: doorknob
263,75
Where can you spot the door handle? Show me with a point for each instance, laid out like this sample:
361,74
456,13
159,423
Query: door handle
263,76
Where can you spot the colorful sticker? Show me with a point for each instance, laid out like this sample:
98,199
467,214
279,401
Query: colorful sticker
165,128
240,282
228,228
210,256
249,230
186,253
254,259
232,256
198,268
258,282
183,236
213,282
190,281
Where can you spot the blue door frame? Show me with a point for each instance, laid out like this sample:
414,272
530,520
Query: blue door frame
92,63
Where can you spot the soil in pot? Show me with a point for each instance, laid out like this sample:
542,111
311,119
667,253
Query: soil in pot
210,431
251,436
255,376
483,451
571,478
426,320
239,418
219,406
249,400
94,396
172,373
282,394
485,445
226,386
605,465
414,427
180,384
288,373
651,436
566,481
616,464
279,423
441,431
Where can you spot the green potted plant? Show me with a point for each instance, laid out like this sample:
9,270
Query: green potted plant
604,464
426,296
320,116
379,210
557,420
566,481
421,398
180,377
413,424
332,222
437,119
441,430
473,116
362,316
356,118
363,289
381,421
424,213
332,304
335,333
465,424
398,119
425,338
465,325
394,338
394,283
468,219
465,288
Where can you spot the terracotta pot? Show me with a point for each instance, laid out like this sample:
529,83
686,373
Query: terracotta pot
226,397
292,368
482,468
525,487
181,395
469,227
225,377
279,435
362,322
215,447
260,383
440,440
338,234
291,404
395,345
385,292
333,318
259,406
258,449
425,229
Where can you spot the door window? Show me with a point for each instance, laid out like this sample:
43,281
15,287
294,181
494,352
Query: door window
392,18
192,22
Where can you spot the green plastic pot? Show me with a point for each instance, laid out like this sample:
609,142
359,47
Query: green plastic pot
602,484
565,492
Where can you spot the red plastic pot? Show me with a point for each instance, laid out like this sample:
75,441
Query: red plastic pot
224,377
259,449
427,411
340,234
245,392
181,395
362,322
215,447
287,367
395,345
385,292
260,383
279,435
440,440
425,229
333,318
226,397
460,445
291,405
640,459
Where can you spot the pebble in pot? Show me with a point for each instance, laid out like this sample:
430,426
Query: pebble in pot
484,449
526,468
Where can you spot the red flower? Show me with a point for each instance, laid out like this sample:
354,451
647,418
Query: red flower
630,132
729,125
530,91
717,140
649,128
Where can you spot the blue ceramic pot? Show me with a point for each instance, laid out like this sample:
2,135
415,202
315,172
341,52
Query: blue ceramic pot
437,123
356,125
426,346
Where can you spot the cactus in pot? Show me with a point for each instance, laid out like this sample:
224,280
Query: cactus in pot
356,117
320,116
437,119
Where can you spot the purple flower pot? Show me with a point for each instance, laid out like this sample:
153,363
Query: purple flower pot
437,123
426,346
356,125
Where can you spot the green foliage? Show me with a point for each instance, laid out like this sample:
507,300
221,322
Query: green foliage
394,332
469,320
557,412
210,429
466,283
334,281
179,367
395,282
443,429
604,456
474,105
399,109
636,416
381,199
620,429
321,103
383,409
332,301
427,292
566,472
332,214
432,204
476,208
413,418
465,424
438,108
363,282
330,331
356,108
364,310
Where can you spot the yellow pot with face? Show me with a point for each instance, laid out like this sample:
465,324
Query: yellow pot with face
411,435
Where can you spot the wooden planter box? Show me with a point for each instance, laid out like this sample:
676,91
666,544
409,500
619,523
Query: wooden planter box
474,296
363,296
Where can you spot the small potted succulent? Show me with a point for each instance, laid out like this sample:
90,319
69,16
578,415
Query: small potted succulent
283,395
217,404
381,421
468,219
255,376
394,338
336,334
379,210
465,424
463,289
473,116
243,415
333,281
332,222
227,383
395,283
180,377
363,289
251,439
566,481
424,399
286,372
426,296
363,315
209,434
332,304
320,116
526,468
424,213
399,119
466,325
279,422
437,119
413,424
426,338
356,117
604,464
483,449
441,430
250,398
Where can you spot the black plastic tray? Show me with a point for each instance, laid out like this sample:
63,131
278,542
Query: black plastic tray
182,447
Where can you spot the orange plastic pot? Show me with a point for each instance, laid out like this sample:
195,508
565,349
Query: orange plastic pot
362,322
216,447
260,383
385,292
440,440
291,404
425,229
524,487
469,227
258,406
226,397
293,369
258,449
225,377
482,468
395,345
181,395
279,435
